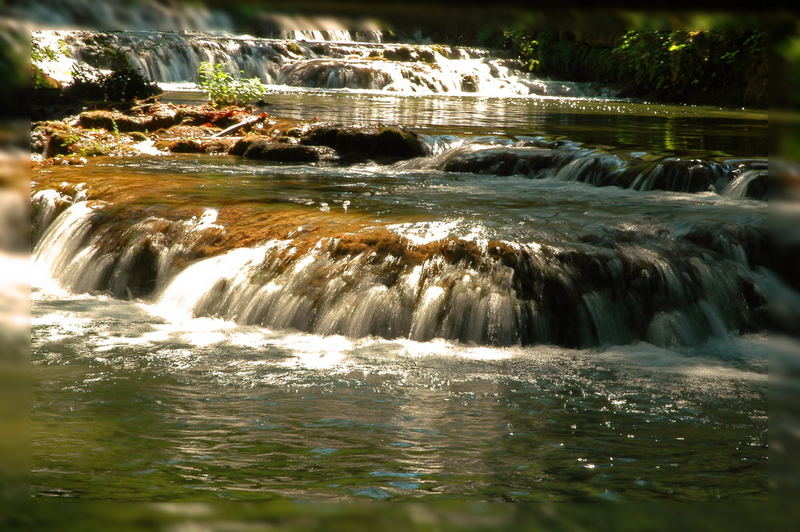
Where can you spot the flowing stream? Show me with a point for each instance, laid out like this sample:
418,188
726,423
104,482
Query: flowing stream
565,298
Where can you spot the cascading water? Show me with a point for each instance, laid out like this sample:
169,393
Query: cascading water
148,15
670,286
570,161
425,69
122,15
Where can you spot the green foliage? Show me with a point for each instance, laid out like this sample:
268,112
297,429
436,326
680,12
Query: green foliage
224,89
41,53
644,57
294,48
684,66
124,83
121,85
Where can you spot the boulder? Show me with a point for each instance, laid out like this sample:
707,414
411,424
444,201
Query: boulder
680,175
57,143
381,144
196,145
268,150
399,54
113,120
507,161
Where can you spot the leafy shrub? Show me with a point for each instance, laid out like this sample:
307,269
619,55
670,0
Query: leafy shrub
120,85
224,89
39,54
713,67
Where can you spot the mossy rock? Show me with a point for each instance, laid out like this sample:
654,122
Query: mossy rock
267,150
58,143
196,145
109,120
114,121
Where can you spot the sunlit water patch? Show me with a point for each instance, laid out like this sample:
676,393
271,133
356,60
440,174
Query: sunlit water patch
207,409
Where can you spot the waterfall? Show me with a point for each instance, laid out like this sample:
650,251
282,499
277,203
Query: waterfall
124,15
569,161
169,57
750,183
681,289
146,15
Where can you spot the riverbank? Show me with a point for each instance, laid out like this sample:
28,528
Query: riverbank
694,67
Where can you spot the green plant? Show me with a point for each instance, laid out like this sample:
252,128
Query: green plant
121,85
70,138
224,89
40,54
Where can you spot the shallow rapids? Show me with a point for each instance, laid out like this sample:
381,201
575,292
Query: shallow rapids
368,250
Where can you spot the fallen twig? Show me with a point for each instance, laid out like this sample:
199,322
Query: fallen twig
247,122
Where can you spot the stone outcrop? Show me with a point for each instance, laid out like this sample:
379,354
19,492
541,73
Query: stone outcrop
380,144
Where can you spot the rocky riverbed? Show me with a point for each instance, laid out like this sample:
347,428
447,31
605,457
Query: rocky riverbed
162,128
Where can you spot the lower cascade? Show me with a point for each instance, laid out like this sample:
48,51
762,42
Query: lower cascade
668,289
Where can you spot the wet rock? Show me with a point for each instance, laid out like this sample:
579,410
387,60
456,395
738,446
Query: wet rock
381,144
469,83
115,121
758,188
507,161
679,175
58,143
241,145
142,274
196,145
268,150
399,54
217,145
427,56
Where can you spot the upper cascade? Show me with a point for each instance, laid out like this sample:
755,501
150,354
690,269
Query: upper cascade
144,15
116,15
307,60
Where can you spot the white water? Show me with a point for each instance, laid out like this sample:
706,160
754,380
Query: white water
738,186
276,285
397,68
